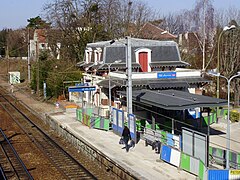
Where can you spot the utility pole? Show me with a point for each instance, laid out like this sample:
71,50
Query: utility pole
37,71
7,56
7,52
29,70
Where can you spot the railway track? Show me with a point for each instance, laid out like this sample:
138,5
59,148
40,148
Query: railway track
12,166
65,165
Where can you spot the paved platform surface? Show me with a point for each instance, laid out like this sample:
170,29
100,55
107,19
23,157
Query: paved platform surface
218,136
142,161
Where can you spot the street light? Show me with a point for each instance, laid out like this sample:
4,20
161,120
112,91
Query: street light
226,28
109,85
228,115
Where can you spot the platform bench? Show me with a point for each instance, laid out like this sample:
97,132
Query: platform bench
151,137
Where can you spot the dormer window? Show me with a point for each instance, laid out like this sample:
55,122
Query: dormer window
88,53
97,55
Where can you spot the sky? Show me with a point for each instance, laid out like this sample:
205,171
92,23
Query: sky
14,13
167,6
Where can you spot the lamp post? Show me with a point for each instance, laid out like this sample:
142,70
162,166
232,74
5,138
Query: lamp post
109,85
226,28
228,115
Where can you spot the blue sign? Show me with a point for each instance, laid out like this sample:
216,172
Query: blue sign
82,84
166,75
81,88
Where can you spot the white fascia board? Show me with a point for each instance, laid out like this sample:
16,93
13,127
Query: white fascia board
153,75
188,74
150,75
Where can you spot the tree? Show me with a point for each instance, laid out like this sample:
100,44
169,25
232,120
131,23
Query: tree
37,23
200,22
230,57
83,21
3,41
17,43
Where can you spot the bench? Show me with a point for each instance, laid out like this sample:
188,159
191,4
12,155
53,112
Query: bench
151,137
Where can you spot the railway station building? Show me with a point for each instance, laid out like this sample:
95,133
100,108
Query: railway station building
163,86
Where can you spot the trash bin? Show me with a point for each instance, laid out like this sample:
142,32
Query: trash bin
157,147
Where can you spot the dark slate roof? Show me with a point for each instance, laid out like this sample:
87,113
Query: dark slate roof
156,83
159,53
175,100
162,51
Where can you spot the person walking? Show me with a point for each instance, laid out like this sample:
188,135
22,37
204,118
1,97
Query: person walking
126,137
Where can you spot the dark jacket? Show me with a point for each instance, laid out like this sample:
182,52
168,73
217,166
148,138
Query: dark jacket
126,133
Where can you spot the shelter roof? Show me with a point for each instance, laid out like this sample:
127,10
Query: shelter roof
174,100
156,83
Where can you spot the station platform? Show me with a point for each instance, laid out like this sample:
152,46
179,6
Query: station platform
141,161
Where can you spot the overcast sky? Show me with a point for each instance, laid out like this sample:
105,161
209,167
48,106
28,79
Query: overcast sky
14,13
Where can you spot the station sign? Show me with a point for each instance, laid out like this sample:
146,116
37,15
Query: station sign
81,88
166,75
82,84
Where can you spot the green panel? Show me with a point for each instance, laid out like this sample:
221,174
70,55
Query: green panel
89,111
211,118
238,160
97,122
79,114
210,150
214,117
201,170
230,156
225,112
185,162
157,127
219,152
205,122
143,123
138,125
106,124
164,137
149,126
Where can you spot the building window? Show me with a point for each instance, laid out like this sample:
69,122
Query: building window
88,53
97,55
